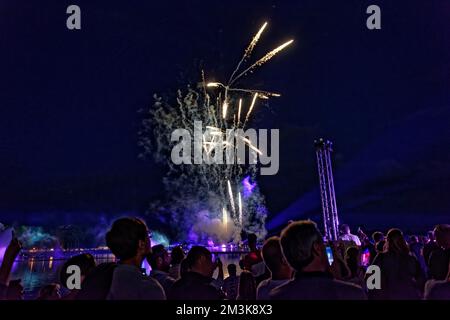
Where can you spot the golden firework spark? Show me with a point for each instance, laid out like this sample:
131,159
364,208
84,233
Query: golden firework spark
239,111
213,84
251,146
251,108
254,41
249,49
224,109
261,92
225,218
263,60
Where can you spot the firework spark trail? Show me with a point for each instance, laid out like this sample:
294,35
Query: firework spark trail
249,49
240,208
214,84
250,109
224,109
251,146
254,41
230,193
213,145
225,218
260,92
263,60
239,112
264,93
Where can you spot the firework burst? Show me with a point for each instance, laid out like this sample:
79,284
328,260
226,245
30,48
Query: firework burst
204,196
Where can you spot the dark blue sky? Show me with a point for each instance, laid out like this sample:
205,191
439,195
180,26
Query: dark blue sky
69,101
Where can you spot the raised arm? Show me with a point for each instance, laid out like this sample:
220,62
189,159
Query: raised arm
11,253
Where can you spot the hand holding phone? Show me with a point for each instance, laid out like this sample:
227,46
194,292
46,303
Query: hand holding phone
365,258
330,256
218,262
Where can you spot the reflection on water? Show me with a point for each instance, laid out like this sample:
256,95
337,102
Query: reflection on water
36,273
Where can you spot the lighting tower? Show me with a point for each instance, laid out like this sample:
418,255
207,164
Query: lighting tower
329,209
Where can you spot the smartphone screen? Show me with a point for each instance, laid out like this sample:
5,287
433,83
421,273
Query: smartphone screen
329,255
365,258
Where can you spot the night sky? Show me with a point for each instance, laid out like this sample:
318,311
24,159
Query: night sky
69,102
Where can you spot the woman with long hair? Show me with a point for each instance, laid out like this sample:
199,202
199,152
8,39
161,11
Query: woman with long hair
401,275
353,261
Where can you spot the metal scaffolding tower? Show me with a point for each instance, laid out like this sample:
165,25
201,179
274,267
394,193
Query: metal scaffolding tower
329,209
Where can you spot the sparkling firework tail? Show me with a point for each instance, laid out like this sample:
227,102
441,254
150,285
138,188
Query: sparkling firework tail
252,91
249,49
254,41
263,60
239,112
225,219
240,208
214,84
230,193
250,109
251,146
224,109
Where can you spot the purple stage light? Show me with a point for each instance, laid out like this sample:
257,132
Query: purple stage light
248,186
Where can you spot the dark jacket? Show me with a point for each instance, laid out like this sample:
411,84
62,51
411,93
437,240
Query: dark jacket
428,249
440,291
438,264
401,277
164,280
194,286
97,284
317,286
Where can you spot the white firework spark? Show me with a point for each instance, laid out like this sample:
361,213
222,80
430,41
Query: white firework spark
240,208
230,193
225,218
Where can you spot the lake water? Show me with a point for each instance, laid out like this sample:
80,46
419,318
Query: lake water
36,273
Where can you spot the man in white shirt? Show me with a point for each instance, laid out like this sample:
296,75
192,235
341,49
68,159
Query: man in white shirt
347,236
